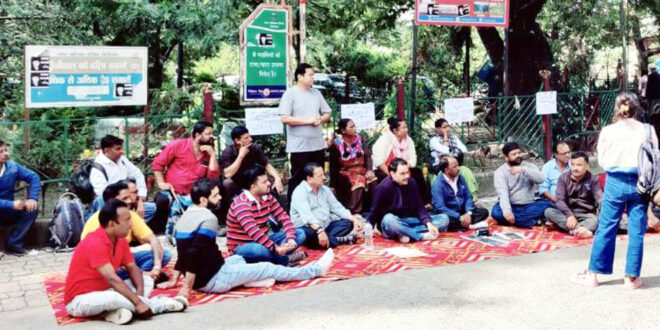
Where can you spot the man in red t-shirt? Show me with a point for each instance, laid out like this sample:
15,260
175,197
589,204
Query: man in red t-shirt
93,286
179,165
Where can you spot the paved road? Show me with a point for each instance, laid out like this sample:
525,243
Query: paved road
526,292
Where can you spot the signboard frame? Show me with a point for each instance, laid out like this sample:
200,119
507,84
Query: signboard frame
244,101
457,22
85,76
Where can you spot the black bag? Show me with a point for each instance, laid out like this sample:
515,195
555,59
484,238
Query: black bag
79,181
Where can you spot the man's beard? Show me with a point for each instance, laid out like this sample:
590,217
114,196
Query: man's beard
213,206
206,143
515,162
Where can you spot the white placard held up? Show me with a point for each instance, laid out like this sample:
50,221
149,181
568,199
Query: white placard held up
362,114
263,121
459,110
546,103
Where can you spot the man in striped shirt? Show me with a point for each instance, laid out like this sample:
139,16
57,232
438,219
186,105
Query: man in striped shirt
252,214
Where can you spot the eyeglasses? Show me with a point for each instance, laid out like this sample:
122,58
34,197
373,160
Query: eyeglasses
564,153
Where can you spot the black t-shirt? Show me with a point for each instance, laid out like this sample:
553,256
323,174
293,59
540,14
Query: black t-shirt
253,158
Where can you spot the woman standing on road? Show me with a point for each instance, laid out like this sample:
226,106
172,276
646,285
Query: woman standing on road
618,146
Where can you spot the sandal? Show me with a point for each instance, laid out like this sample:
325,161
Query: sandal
632,285
584,278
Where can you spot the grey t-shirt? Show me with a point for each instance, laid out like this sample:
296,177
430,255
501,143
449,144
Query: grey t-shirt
297,102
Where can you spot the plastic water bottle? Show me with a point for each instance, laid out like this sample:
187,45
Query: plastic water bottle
368,235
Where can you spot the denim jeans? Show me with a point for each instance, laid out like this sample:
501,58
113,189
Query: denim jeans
149,209
526,214
620,194
236,272
254,252
335,229
145,260
22,221
395,227
98,302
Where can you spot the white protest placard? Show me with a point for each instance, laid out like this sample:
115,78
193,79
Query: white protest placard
82,76
263,121
546,103
459,110
362,114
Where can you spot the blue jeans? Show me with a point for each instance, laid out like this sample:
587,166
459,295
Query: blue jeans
236,272
335,229
620,193
98,203
145,260
22,221
395,227
255,252
526,214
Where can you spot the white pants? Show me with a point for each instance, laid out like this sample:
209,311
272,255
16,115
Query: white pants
98,302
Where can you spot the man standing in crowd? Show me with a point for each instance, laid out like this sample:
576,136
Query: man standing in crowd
553,169
303,110
314,209
452,197
20,212
398,208
183,161
514,182
92,285
578,197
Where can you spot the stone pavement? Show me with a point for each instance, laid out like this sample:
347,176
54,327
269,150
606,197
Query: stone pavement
21,278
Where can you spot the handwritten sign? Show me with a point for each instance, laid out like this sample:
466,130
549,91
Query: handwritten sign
363,115
546,103
263,121
459,110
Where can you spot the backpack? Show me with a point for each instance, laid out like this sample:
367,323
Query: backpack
79,182
67,222
648,166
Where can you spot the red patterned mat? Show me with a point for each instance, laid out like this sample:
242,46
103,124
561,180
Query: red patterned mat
355,261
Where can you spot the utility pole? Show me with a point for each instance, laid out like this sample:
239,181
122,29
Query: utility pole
303,29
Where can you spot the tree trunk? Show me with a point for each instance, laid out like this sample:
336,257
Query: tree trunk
529,50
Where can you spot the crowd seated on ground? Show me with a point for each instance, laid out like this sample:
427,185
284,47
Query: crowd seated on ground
265,241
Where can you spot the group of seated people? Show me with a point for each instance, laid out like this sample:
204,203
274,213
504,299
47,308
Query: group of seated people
112,274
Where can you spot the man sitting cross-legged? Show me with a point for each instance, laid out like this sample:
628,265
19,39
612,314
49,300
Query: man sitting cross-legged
314,209
150,257
252,214
398,208
202,264
92,284
514,182
452,197
578,197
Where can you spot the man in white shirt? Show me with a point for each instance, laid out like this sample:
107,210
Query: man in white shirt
116,167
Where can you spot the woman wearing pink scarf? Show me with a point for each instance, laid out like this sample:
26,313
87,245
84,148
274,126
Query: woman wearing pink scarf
396,143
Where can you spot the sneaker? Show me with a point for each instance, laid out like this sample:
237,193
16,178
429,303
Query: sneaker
119,316
584,278
325,261
348,239
404,239
265,283
222,231
632,285
16,250
296,257
176,304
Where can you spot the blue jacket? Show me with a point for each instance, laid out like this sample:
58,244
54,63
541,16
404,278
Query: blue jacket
444,200
14,173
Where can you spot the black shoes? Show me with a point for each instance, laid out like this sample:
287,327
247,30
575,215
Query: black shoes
16,250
